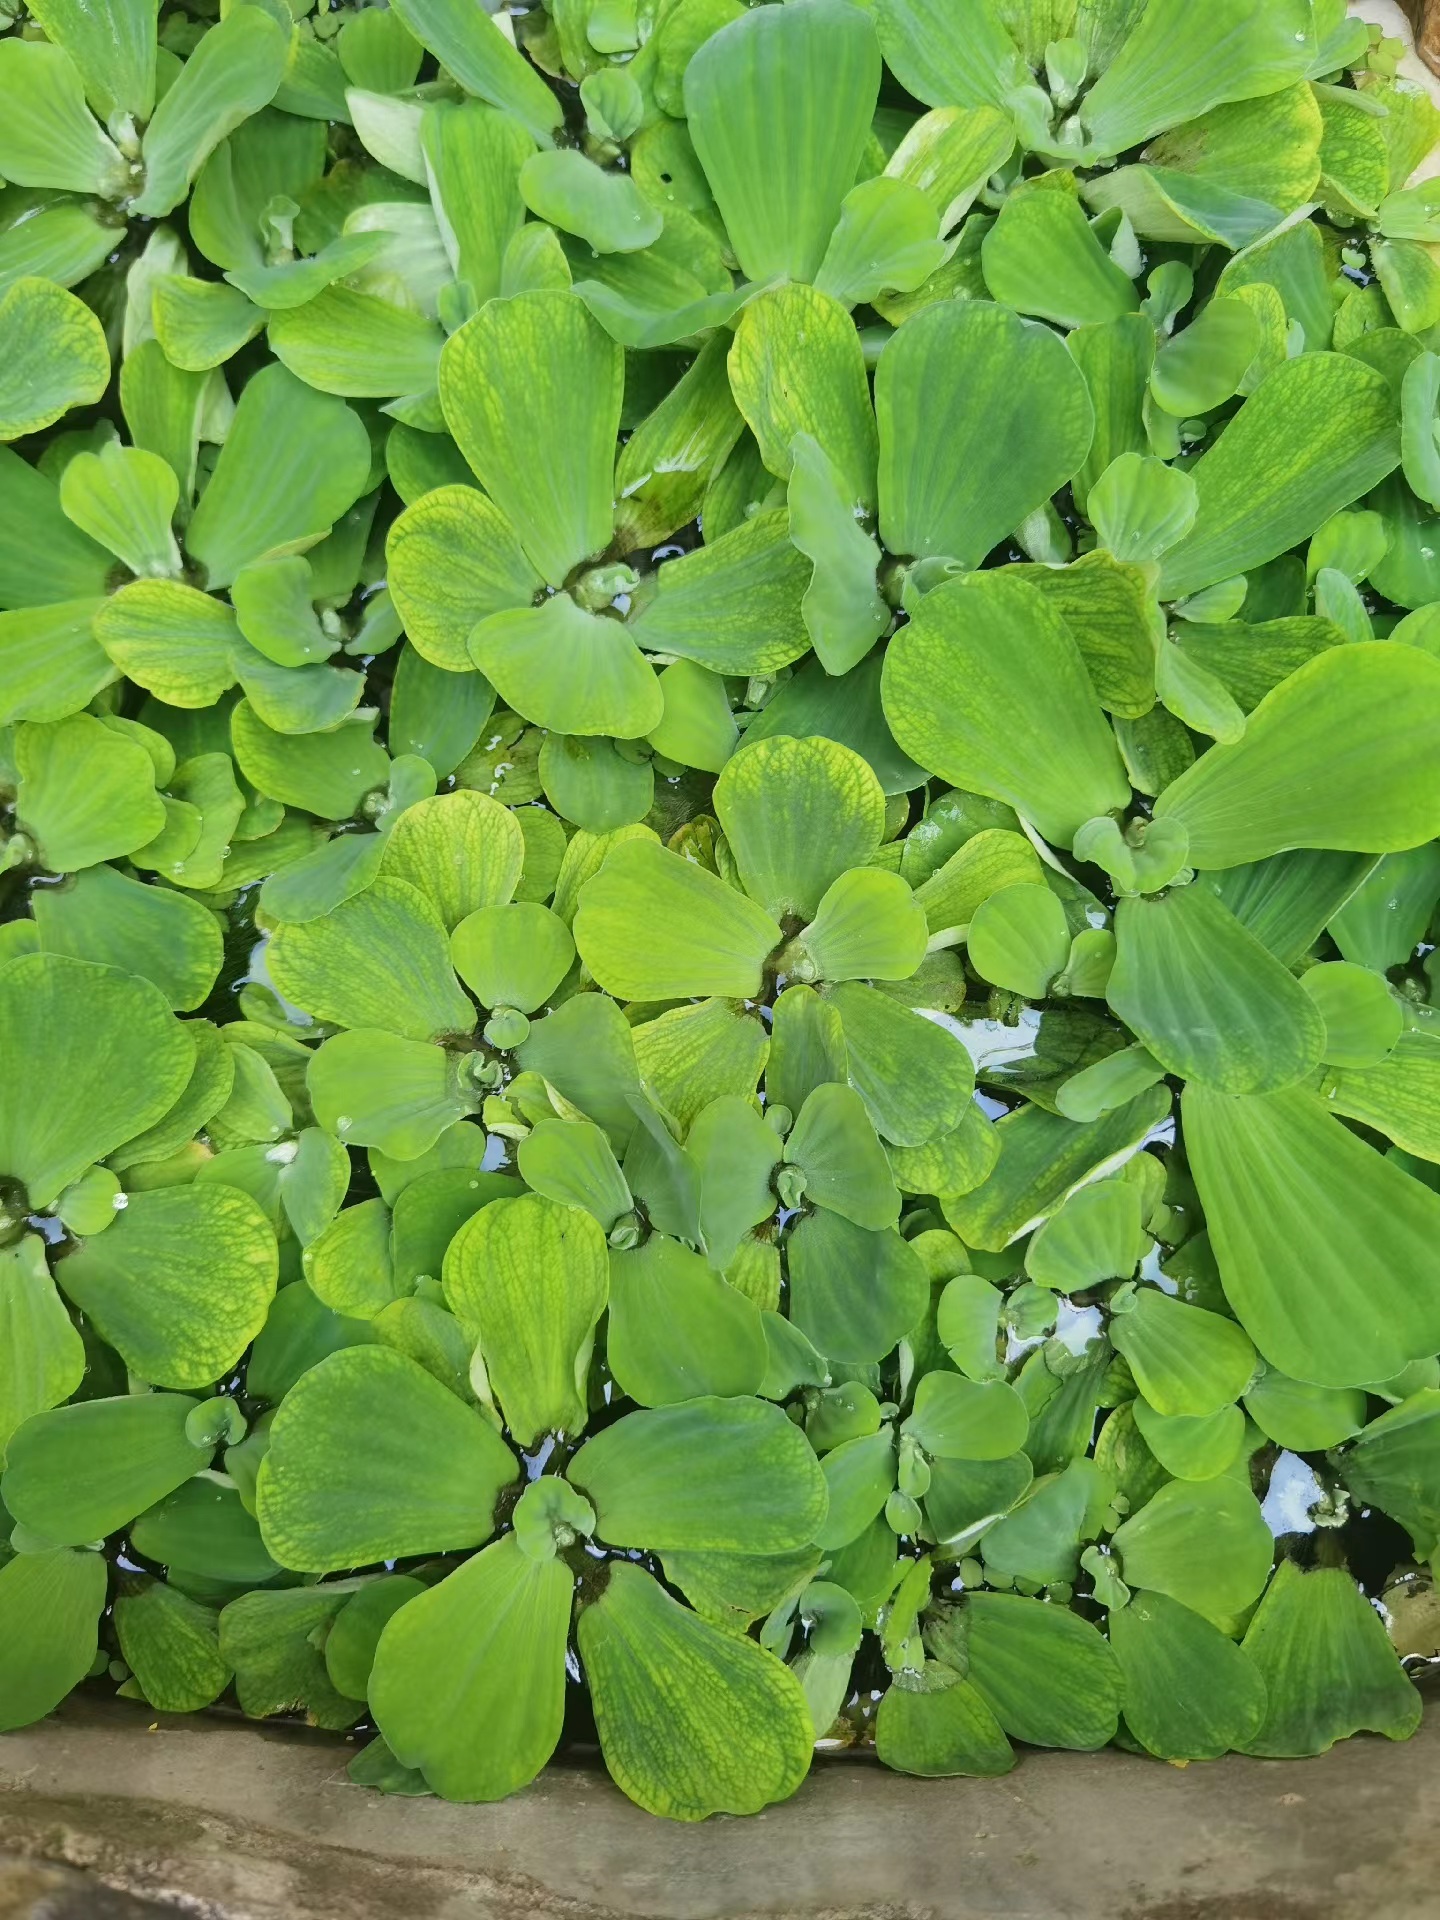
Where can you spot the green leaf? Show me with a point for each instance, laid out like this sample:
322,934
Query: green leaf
1363,1019
462,850
274,1642
653,926
676,1329
328,773
1108,608
1303,1418
914,1077
796,367
761,1489
76,1473
1047,1675
232,72
571,1162
867,926
735,606
1019,939
843,609
1320,764
834,1146
1203,365
958,1419
884,239
1319,432
1190,1692
1325,1247
528,1279
370,1458
1392,1466
58,358
471,46
1013,718
1176,64
150,931
1318,1624
854,1292
454,560
172,640
512,956
982,417
797,815
179,1284
380,959
473,157
43,1355
50,665
1202,1542
568,670
936,1725
126,500
172,1645
1042,257
1186,1361
346,341
51,138
65,1024
697,727
293,462
606,210
535,371
778,106
1095,1236
1207,999
692,1720
468,1683
1043,1159
50,1607
946,54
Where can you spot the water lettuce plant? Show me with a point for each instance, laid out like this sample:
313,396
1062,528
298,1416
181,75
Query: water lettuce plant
719,865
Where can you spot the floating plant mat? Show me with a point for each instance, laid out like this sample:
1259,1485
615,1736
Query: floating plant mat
721,842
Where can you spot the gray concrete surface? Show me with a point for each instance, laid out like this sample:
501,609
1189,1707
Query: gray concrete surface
230,1822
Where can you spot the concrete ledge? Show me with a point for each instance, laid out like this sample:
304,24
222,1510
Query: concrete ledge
232,1822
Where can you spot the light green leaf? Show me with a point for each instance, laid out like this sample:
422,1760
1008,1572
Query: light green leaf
693,1720
470,45
1207,999
884,239
1327,1250
79,1472
1176,64
51,138
468,1683
778,106
50,1607
1041,257
50,664
514,955
835,1147
328,773
571,1162
950,55
1043,1159
653,926
371,1088
1095,1236
1320,763
1199,368
454,560
1015,718
370,1458
568,670
844,611
180,1282
796,366
1363,1019
677,1330
58,358
734,606
1203,1542
293,462
797,815
346,341
1318,433
42,1357
535,371
1186,1361
126,500
982,417
380,959
172,640
867,927
473,156
1019,939
65,1024
528,1279
233,71
606,210
761,1491
462,850
958,1419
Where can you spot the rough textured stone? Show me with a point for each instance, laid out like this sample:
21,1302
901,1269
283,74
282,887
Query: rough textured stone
230,1822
